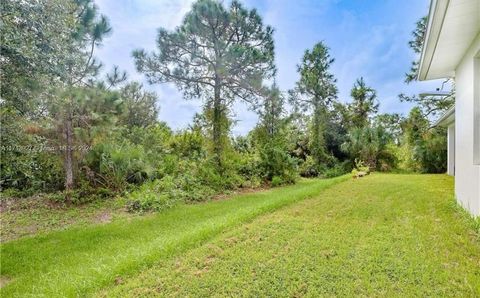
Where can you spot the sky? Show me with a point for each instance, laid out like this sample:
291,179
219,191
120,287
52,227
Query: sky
367,38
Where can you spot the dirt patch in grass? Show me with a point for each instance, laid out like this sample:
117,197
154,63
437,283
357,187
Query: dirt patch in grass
104,217
240,191
22,217
4,281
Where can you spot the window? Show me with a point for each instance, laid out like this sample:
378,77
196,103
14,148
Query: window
476,110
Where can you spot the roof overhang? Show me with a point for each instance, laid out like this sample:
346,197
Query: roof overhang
447,118
451,29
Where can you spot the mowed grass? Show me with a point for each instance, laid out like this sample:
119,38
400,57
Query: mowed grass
81,260
383,235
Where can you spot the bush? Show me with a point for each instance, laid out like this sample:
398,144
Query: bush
27,163
338,170
361,167
370,144
309,168
84,193
115,165
248,167
165,193
17,193
277,181
431,151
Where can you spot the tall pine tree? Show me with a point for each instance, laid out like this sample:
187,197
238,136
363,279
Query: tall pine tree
217,54
315,91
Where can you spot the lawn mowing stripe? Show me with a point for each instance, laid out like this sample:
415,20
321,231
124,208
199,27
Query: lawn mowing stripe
77,261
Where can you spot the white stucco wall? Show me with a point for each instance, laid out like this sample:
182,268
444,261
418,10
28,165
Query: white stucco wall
467,174
451,150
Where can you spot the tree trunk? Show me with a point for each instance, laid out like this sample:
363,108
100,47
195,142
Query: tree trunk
318,141
217,126
68,162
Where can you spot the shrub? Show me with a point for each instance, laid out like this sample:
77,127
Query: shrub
338,169
27,163
165,193
275,161
84,193
371,144
309,168
431,151
248,167
361,167
277,181
116,165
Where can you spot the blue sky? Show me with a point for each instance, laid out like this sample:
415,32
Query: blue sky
367,38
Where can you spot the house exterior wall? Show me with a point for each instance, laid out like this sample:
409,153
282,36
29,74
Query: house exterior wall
467,174
451,150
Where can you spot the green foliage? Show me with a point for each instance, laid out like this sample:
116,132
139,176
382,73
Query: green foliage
309,168
391,123
416,44
189,144
218,54
360,169
65,129
275,162
277,181
167,192
296,134
431,151
315,91
430,105
364,104
248,167
338,169
423,149
32,50
83,194
27,163
336,131
271,140
370,144
361,166
115,165
139,106
316,81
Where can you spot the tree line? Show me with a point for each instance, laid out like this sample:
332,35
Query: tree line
108,137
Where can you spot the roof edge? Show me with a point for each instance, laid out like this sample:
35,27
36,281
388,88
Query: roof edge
447,118
436,17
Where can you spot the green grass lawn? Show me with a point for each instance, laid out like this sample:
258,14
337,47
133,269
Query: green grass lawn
382,235
81,260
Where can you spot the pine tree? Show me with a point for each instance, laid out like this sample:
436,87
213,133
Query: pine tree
216,54
315,91
364,104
